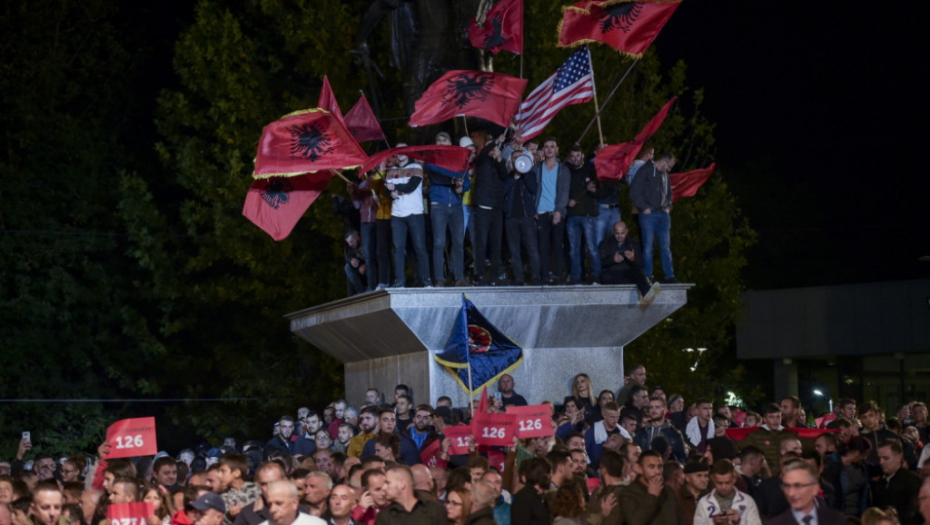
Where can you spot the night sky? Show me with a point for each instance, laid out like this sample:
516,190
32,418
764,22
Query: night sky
818,120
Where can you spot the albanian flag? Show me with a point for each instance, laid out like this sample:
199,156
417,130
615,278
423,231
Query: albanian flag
306,141
686,184
328,102
475,342
276,204
362,122
491,96
629,27
452,158
612,162
502,28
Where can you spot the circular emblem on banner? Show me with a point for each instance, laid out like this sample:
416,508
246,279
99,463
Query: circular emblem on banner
479,340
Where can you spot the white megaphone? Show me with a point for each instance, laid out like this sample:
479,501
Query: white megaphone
523,163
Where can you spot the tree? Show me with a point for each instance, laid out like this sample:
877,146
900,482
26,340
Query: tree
64,108
216,287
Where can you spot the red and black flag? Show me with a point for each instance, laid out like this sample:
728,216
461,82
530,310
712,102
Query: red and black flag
452,158
362,122
502,28
687,183
328,102
491,96
306,142
276,204
612,162
629,27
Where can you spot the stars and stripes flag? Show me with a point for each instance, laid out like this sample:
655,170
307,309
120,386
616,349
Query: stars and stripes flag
572,83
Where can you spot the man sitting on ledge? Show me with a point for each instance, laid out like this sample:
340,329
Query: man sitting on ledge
622,262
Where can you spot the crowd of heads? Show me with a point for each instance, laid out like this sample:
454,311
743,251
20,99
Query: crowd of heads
349,464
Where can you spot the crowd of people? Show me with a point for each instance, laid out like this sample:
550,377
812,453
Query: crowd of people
634,457
515,199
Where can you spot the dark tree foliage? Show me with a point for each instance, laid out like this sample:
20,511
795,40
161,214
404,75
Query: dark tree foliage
127,269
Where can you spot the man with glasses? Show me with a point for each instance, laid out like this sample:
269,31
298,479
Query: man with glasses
800,483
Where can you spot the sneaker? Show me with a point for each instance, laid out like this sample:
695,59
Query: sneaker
671,280
650,296
380,287
399,284
440,283
462,282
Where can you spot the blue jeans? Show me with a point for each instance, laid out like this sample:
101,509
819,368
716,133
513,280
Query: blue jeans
451,216
415,225
577,226
355,279
605,221
652,226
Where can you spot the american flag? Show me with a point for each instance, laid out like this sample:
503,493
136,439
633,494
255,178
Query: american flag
572,83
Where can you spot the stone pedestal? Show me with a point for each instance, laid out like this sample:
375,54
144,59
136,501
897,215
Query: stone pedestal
389,337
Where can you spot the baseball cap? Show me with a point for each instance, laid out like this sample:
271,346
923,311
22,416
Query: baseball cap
466,142
444,134
210,501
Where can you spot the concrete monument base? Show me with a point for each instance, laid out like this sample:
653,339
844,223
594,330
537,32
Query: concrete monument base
390,337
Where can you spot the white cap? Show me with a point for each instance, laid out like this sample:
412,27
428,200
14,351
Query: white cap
466,142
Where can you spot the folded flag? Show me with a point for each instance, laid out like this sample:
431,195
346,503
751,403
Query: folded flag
475,342
612,162
452,158
362,122
328,102
687,183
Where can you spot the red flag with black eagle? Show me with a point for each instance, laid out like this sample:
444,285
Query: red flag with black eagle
306,141
629,27
491,96
502,28
276,204
362,122
612,162
686,184
328,102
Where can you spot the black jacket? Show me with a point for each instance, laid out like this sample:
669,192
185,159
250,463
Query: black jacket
489,180
609,247
525,187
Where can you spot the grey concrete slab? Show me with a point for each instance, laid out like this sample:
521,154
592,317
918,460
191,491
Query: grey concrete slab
389,337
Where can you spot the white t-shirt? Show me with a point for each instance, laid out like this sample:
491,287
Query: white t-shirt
408,203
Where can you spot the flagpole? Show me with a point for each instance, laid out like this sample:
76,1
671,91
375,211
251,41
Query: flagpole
597,111
465,123
341,176
471,392
585,132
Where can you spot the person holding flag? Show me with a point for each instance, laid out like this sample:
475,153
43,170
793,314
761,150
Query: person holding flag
404,183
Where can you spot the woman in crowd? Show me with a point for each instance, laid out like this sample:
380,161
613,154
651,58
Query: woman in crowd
458,505
568,505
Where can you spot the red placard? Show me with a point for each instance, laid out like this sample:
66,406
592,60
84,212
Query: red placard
497,459
458,438
129,513
494,429
132,437
532,421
